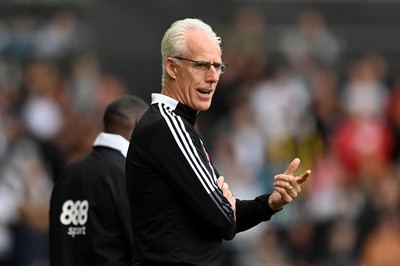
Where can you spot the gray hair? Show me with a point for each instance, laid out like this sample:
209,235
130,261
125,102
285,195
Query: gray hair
173,42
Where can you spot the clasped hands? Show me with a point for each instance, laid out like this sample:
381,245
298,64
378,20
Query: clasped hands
286,187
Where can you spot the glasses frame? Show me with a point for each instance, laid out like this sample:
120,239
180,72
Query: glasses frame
220,67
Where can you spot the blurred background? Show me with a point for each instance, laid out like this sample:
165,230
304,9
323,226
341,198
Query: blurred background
318,80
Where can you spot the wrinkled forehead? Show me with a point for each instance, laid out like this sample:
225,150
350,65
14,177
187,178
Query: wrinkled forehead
200,43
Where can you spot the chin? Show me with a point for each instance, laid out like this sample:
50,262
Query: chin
203,107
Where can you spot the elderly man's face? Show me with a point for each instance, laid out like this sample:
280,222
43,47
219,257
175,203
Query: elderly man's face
195,82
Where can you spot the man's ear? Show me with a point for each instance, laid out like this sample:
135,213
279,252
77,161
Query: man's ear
170,68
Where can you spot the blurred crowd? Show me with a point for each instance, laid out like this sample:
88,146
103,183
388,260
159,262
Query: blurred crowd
53,94
343,122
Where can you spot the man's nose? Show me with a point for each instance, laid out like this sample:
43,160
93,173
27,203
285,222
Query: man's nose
213,75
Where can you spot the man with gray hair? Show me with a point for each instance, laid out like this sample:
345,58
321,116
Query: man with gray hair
181,208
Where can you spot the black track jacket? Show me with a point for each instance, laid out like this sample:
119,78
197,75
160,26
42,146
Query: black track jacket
89,212
179,215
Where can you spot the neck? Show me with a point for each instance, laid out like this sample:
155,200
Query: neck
168,91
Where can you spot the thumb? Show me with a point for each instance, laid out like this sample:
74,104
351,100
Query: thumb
292,166
301,179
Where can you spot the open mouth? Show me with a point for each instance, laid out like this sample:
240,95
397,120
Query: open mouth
204,91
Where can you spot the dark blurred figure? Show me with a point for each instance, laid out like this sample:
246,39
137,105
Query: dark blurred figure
380,243
244,49
62,36
310,42
364,100
89,213
393,114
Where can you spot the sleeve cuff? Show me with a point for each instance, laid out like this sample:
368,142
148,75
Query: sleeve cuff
267,211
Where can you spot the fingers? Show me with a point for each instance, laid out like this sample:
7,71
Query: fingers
287,187
225,190
224,187
228,194
285,196
286,181
302,178
292,167
290,188
289,182
283,193
231,199
220,181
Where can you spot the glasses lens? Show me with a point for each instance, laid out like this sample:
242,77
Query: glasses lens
202,65
217,66
223,68
220,67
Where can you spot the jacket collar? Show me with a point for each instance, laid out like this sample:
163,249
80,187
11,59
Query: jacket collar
176,107
113,141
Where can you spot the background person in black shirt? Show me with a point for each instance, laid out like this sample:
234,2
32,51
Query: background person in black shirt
89,214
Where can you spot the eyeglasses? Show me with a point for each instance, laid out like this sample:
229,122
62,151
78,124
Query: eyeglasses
205,66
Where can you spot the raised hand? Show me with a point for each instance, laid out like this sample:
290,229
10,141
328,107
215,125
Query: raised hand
287,186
